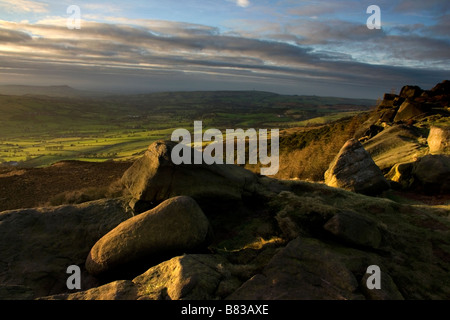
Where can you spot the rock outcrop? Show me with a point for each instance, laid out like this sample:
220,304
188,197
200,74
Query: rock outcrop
440,94
175,226
307,269
410,110
396,144
187,277
356,229
410,92
412,105
403,240
388,107
154,178
427,175
439,140
37,245
432,173
401,174
318,244
353,169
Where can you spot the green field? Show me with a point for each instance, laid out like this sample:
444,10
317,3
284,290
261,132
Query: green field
41,130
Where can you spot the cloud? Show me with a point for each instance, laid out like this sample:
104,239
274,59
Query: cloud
330,31
242,3
436,7
13,36
21,6
101,7
318,8
195,56
441,28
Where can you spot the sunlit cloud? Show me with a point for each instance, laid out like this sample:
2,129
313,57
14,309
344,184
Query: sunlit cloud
242,3
102,7
321,46
19,6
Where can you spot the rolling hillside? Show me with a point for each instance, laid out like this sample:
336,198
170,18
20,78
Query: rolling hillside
38,130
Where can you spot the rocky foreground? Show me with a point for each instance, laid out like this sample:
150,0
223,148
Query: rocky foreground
223,232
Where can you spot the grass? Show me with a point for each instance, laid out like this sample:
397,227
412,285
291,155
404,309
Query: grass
324,119
38,131
41,152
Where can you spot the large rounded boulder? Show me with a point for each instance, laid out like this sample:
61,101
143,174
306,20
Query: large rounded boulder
176,225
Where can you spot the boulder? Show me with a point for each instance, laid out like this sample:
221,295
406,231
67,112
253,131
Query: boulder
37,245
429,174
387,109
439,140
389,96
401,174
398,101
353,169
387,102
320,263
355,229
441,89
15,292
410,110
396,144
155,178
306,269
414,248
176,225
187,277
116,290
432,174
371,132
410,92
390,100
388,114
388,290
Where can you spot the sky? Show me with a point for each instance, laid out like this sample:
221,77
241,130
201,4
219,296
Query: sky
316,47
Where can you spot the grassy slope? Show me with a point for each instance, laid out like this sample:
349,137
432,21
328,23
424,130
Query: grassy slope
39,130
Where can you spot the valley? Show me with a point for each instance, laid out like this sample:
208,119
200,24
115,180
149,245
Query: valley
37,130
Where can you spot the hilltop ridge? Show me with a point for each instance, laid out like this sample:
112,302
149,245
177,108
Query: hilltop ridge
50,91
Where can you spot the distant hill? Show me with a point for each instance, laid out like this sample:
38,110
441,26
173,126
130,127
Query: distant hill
42,125
59,109
50,91
250,98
